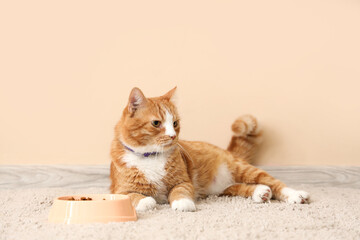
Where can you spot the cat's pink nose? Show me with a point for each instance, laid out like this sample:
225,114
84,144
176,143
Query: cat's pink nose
173,137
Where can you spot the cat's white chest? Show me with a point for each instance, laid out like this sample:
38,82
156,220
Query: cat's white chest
153,169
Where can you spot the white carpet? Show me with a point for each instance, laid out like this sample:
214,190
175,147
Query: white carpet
334,213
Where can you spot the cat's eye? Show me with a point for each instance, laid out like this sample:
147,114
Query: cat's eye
156,123
175,124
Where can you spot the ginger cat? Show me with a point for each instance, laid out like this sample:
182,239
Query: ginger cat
151,165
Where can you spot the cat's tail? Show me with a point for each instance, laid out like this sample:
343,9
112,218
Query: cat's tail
246,139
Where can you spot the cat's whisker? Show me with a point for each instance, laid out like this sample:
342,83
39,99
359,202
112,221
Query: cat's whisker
183,151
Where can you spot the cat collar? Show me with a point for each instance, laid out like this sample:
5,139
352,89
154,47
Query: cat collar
146,154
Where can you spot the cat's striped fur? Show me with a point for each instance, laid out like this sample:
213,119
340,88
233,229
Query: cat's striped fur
181,171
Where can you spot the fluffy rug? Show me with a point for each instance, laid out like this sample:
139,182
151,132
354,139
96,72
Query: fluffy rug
334,213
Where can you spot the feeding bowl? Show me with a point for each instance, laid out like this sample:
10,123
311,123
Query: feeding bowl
88,208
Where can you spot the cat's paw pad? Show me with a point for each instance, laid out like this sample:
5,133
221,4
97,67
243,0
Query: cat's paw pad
245,125
262,194
146,204
295,197
184,205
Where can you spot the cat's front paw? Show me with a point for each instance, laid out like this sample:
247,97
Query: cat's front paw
184,205
262,193
146,204
295,197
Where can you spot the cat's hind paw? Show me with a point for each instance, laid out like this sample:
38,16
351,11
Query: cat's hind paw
146,204
295,197
262,193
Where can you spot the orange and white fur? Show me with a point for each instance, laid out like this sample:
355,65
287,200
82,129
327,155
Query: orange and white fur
151,165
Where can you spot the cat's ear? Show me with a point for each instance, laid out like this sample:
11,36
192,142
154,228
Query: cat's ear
171,95
136,100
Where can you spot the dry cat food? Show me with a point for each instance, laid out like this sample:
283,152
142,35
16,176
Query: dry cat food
81,199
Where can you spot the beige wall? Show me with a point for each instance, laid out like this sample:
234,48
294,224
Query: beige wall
67,68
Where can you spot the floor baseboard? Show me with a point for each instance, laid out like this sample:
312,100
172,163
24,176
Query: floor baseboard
83,176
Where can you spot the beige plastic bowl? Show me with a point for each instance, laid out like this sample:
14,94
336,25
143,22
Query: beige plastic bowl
115,208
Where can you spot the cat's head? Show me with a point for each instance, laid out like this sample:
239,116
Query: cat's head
149,124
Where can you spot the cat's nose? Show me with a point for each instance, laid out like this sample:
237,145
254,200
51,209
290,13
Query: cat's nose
173,137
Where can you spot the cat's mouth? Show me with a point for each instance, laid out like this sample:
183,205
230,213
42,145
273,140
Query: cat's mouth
165,141
167,145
